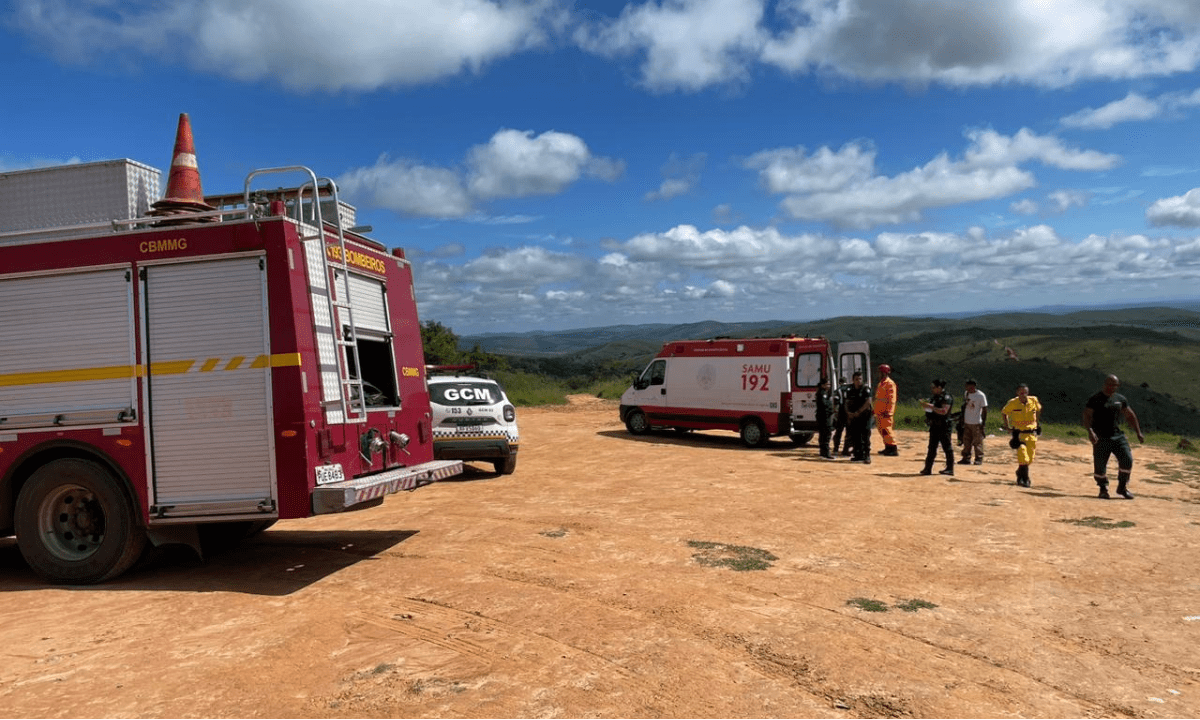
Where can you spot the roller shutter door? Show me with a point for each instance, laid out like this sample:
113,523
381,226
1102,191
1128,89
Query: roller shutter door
369,301
68,349
209,387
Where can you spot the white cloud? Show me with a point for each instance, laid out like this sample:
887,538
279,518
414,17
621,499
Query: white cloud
1181,210
512,164
1129,108
991,149
515,163
304,44
1024,206
792,170
840,188
407,188
1063,200
681,175
1048,43
670,188
684,273
688,44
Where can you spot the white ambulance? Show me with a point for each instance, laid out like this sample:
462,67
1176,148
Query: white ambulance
758,387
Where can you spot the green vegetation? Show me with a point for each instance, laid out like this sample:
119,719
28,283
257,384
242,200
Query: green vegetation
1100,523
868,604
915,604
734,557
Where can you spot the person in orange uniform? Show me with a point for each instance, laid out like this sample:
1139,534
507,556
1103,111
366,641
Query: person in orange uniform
1022,416
885,409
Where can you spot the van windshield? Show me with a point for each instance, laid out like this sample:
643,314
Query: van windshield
464,393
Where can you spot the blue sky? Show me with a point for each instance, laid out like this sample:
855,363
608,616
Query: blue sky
553,165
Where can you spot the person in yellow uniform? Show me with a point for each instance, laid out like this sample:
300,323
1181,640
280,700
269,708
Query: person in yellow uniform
1021,416
885,409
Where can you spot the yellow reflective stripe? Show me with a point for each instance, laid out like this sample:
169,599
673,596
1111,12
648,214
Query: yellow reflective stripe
168,367
171,367
114,372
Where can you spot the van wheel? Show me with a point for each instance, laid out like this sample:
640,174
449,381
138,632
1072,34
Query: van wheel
75,525
753,433
637,423
801,438
507,466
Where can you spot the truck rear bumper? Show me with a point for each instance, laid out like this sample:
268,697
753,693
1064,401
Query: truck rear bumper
345,495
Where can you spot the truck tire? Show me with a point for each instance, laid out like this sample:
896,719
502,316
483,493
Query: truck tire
636,422
753,433
801,438
507,466
75,525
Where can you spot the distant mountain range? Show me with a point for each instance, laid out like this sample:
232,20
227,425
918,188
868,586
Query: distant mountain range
1181,317
1064,356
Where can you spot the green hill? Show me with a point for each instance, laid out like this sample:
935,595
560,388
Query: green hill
1063,357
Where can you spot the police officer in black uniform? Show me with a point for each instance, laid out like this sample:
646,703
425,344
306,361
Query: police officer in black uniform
937,417
840,422
825,411
858,418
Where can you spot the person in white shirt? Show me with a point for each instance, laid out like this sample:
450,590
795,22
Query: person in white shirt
974,416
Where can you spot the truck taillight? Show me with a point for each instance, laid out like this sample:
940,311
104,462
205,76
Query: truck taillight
785,402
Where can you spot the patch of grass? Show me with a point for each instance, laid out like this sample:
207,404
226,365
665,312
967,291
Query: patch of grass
1100,523
610,389
734,557
525,389
867,604
915,604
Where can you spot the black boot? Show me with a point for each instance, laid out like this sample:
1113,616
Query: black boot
1023,475
928,469
1103,489
1123,489
949,468
889,450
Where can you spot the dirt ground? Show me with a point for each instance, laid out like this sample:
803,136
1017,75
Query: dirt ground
661,575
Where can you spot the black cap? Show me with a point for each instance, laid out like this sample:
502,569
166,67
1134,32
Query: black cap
971,381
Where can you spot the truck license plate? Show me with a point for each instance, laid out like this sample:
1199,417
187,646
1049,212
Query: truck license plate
327,474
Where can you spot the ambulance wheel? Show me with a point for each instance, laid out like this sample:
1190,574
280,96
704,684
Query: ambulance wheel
507,466
637,423
753,433
75,525
801,438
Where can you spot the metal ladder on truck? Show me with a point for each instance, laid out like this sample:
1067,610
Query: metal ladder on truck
352,400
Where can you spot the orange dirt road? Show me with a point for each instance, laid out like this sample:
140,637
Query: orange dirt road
590,584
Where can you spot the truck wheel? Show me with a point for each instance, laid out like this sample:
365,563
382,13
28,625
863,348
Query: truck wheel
753,433
637,423
75,525
507,466
801,438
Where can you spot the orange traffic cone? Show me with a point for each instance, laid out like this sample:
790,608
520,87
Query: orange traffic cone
184,194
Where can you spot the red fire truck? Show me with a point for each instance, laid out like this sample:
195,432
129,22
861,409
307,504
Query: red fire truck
222,361
757,387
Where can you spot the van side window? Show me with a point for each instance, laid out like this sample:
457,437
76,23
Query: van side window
656,373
